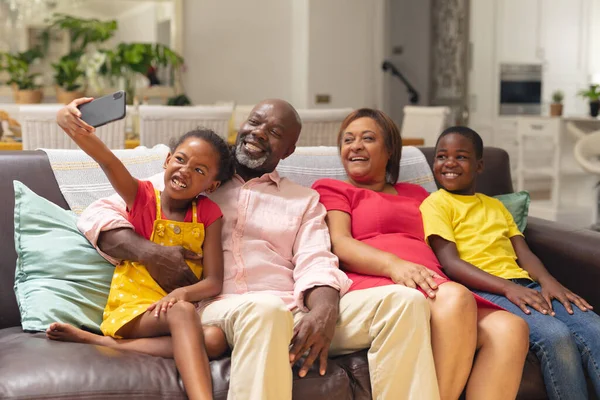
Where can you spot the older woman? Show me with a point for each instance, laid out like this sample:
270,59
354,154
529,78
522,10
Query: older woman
377,233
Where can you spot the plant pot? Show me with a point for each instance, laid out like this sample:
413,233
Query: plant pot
556,109
15,91
594,106
65,97
29,96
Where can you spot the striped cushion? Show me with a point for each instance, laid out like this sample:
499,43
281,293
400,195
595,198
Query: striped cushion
308,164
81,180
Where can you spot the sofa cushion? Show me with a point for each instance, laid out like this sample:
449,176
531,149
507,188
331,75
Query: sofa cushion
59,275
308,164
518,206
32,366
82,181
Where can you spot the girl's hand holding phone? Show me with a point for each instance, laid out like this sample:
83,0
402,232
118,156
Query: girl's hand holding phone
69,118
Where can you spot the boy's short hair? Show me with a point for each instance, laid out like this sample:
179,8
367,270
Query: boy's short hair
469,134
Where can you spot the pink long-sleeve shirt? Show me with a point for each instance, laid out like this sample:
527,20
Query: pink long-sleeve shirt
275,239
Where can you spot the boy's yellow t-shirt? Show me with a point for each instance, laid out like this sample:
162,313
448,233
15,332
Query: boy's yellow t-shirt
480,226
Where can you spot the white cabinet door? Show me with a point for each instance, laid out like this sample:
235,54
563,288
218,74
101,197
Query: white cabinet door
518,31
563,31
505,137
564,26
483,81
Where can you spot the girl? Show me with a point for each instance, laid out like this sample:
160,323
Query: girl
137,306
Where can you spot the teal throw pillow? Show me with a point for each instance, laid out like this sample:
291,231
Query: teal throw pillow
59,275
518,205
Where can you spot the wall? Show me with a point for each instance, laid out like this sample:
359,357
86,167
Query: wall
483,80
341,53
409,25
292,49
237,50
300,52
137,25
594,34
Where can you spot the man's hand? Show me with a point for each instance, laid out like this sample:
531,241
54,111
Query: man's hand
163,305
522,296
69,118
552,289
167,266
315,332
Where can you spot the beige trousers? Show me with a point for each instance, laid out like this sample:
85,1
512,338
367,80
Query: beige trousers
392,321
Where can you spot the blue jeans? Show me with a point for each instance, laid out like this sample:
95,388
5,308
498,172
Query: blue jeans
564,344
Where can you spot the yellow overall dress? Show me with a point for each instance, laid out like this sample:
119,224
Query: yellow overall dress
132,289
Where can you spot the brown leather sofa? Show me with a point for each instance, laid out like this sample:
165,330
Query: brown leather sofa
33,367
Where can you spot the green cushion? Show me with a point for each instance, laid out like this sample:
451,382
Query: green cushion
59,276
518,205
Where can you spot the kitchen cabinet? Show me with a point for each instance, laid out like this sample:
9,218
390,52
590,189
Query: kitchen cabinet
518,31
552,33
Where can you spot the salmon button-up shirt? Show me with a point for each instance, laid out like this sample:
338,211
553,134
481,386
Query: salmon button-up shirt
275,239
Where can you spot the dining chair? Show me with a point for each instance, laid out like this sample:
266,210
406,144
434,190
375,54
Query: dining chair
161,124
320,127
424,122
40,130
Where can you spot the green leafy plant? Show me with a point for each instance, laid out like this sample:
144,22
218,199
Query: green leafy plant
138,58
17,65
129,59
82,32
558,96
179,100
69,74
592,93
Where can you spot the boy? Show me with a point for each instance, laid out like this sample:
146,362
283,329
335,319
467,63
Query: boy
479,245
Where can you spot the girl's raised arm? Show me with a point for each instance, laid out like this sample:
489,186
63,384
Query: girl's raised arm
120,178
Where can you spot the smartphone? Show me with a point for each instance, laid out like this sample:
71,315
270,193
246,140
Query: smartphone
103,110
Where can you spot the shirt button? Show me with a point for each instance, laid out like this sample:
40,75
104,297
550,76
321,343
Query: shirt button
177,230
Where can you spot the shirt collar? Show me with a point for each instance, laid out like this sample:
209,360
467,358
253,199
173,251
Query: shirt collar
271,176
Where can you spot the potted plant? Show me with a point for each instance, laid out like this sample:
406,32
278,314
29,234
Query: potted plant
69,78
593,96
26,87
556,108
130,60
70,71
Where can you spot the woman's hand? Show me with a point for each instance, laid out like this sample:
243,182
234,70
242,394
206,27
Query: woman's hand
552,289
163,305
69,118
414,275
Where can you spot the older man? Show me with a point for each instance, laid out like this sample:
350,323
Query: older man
282,287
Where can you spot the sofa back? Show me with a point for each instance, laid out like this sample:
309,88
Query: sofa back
495,178
33,169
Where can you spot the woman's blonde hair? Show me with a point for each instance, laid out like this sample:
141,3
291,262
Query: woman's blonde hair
391,135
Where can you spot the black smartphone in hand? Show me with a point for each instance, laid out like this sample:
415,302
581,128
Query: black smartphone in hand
103,110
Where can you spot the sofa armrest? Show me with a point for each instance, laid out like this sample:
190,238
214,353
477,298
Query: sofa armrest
571,255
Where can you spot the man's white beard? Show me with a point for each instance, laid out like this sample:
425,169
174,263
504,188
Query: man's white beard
246,161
